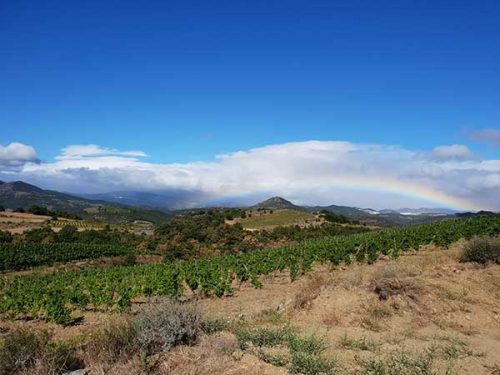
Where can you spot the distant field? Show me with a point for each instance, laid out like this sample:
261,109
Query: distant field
265,219
16,222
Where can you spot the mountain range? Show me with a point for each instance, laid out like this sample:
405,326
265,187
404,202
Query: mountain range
19,194
127,206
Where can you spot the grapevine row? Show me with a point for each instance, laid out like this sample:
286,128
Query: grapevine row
19,256
56,296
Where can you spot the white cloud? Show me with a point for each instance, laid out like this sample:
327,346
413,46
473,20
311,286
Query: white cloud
452,152
491,136
312,172
83,151
15,155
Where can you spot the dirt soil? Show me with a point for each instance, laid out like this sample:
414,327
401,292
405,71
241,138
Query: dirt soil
422,302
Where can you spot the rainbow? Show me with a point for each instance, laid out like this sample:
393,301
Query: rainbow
389,185
404,188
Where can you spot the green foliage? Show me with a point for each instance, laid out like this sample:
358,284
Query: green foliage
403,363
211,326
304,353
303,363
41,210
19,256
357,344
113,288
5,237
482,250
68,233
264,336
334,218
298,233
200,234
39,235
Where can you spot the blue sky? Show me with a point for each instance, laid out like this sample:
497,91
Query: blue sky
185,81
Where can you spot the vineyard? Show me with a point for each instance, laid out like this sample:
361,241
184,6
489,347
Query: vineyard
82,224
56,296
20,256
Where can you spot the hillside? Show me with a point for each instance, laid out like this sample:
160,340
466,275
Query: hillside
19,194
270,218
402,301
276,203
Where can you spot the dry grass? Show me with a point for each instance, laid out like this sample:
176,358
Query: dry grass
304,299
374,314
331,319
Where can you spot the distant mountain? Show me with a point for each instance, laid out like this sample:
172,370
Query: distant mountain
426,211
19,194
352,212
163,200
473,214
277,203
412,211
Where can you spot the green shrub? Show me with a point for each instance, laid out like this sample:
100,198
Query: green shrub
403,363
482,250
363,344
303,363
211,326
302,354
264,336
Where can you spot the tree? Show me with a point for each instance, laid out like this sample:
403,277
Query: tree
38,235
38,210
68,233
2,208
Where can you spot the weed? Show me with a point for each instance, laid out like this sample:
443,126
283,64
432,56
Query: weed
211,326
303,363
358,344
403,364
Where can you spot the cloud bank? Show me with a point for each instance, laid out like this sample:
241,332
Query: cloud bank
311,172
491,136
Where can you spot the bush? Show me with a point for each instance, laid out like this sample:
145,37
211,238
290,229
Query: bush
5,237
116,341
22,349
211,326
482,250
158,329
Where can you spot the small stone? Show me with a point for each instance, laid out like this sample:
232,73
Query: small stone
82,371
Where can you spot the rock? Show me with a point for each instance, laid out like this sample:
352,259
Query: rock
81,371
